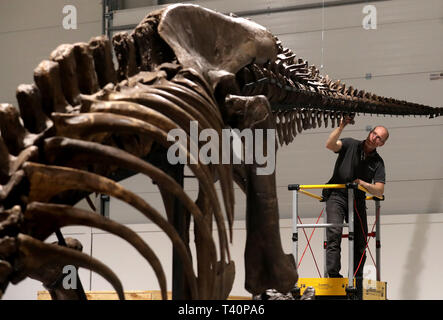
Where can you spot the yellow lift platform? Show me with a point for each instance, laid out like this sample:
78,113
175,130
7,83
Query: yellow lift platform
338,288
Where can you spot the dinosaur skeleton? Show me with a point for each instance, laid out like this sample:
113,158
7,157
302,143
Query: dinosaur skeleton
83,120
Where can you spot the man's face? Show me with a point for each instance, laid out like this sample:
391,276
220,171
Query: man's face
376,138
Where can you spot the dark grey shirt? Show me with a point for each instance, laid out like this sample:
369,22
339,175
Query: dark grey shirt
352,164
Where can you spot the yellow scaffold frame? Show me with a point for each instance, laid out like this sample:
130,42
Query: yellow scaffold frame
330,186
344,286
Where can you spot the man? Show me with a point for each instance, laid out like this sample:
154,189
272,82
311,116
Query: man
359,162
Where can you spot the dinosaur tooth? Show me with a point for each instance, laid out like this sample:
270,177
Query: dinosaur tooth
319,116
283,128
326,117
305,119
279,127
293,123
332,117
313,119
286,125
298,119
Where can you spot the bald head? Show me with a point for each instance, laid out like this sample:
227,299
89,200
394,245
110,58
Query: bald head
382,132
376,138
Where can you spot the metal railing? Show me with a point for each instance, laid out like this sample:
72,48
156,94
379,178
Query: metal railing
297,188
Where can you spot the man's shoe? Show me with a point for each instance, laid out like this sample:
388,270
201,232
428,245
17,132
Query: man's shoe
338,275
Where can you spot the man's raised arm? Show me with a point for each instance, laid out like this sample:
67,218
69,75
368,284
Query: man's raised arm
333,143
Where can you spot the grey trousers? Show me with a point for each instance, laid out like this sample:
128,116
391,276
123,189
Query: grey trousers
337,212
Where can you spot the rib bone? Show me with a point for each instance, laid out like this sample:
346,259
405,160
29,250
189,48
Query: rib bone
54,217
54,180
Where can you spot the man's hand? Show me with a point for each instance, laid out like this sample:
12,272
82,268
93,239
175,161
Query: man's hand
333,143
377,189
347,120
